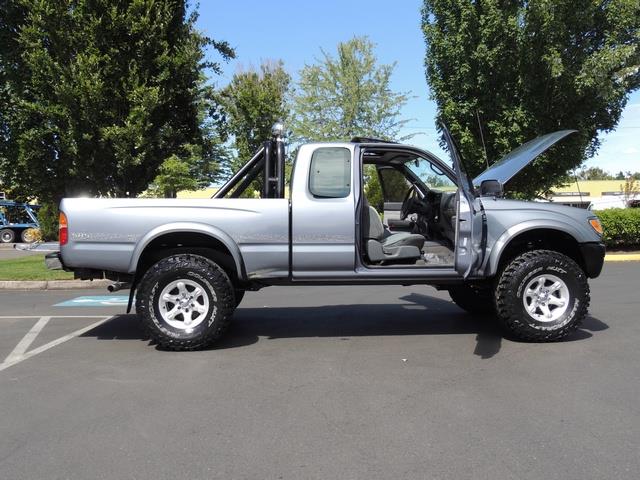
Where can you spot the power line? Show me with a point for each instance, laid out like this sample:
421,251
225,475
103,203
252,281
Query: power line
418,127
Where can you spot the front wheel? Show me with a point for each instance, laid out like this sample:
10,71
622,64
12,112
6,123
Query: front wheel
542,296
185,302
239,295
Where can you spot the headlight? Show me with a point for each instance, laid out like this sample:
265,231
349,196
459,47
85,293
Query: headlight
596,225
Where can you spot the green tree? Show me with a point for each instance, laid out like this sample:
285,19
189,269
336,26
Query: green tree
252,102
189,172
372,187
346,96
504,72
98,94
594,173
630,190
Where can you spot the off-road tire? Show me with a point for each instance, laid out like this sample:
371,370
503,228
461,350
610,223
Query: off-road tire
510,289
475,299
210,277
239,292
7,235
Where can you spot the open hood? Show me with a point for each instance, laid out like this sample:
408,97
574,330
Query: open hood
508,166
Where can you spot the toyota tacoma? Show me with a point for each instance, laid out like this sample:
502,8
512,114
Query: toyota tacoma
189,262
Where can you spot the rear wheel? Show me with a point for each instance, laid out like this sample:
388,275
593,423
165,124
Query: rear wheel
185,302
474,299
542,296
7,235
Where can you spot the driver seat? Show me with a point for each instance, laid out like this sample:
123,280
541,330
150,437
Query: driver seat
382,246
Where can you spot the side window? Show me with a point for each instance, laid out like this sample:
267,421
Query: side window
330,173
394,185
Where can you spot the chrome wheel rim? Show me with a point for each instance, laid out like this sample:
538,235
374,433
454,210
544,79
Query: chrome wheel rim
183,304
546,298
6,237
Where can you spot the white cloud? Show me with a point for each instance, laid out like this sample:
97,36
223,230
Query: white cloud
630,151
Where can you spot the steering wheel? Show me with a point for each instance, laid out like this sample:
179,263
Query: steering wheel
408,203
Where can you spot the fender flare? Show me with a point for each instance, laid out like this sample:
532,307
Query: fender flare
189,227
491,264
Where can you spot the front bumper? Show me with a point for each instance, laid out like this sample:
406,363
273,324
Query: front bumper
593,257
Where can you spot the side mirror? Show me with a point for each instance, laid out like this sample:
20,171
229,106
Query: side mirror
491,188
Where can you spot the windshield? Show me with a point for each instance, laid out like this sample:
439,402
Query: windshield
429,173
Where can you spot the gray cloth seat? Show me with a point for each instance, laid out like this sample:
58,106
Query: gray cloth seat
384,246
403,238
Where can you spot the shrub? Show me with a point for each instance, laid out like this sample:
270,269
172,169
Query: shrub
621,226
48,220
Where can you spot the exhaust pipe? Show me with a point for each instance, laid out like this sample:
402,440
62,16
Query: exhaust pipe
114,287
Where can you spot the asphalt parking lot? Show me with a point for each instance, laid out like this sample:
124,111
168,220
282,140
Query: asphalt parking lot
320,382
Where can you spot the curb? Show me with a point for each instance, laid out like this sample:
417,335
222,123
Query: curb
52,284
622,257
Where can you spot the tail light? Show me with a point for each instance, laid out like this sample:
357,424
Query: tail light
63,229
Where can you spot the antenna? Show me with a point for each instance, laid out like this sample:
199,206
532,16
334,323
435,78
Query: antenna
577,185
484,147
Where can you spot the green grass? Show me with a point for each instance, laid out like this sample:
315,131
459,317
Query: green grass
30,267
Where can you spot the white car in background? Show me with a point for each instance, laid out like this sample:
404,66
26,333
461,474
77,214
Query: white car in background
605,203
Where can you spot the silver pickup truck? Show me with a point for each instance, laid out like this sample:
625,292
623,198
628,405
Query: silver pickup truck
190,262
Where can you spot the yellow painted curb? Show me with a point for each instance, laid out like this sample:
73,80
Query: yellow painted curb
622,257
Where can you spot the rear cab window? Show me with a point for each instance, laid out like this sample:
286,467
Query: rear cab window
330,173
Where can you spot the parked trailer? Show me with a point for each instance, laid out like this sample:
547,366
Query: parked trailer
18,222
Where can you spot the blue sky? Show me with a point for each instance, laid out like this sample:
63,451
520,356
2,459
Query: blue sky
295,31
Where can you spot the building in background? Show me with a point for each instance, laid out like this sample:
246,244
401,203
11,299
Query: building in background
592,194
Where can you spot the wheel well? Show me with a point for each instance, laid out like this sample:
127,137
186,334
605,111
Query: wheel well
541,239
188,242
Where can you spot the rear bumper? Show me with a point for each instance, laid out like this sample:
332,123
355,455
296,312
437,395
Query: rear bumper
593,256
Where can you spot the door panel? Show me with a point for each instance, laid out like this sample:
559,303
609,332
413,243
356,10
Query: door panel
467,228
323,212
470,217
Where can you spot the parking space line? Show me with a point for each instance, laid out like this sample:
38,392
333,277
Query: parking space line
17,317
6,364
27,340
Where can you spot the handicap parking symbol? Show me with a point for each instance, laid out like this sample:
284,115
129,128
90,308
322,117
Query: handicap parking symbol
96,301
